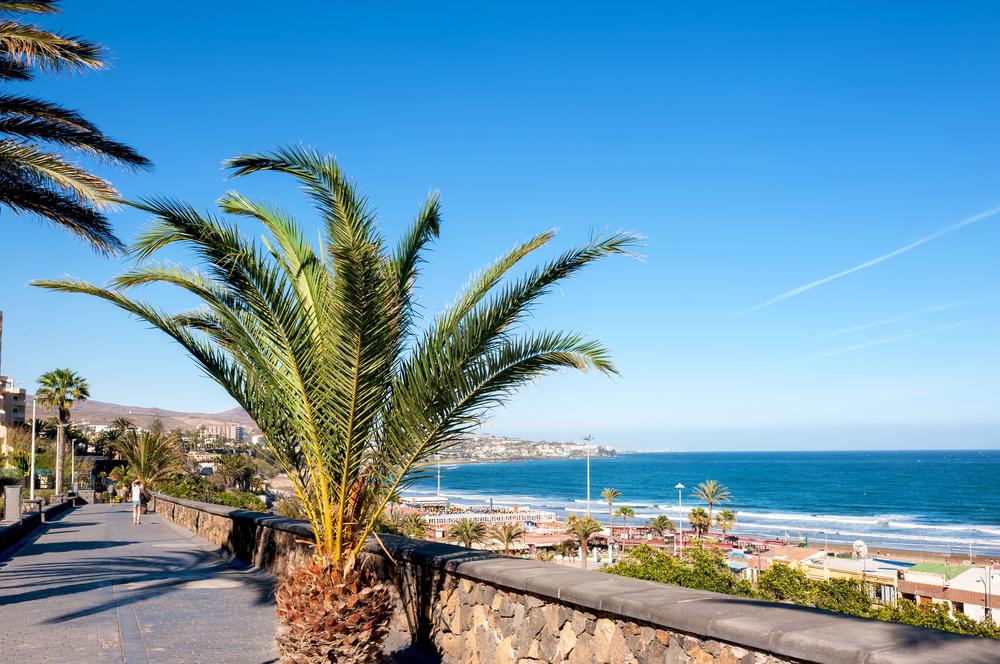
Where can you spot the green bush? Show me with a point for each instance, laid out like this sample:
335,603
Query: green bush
707,570
240,500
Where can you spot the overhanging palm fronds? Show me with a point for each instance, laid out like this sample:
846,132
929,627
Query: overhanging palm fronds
35,178
319,346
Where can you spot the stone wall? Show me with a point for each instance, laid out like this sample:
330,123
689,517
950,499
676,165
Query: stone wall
473,607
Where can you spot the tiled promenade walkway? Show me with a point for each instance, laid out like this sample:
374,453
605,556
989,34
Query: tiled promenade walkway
91,587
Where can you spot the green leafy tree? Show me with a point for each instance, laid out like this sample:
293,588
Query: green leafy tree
583,528
466,532
610,495
660,525
711,492
700,520
322,350
35,178
59,390
726,521
624,512
506,535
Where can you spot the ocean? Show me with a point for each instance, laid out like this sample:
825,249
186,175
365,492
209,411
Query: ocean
932,500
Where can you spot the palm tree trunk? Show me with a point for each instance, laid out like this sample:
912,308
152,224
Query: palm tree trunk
60,434
583,554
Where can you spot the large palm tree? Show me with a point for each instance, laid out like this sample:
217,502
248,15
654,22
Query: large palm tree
321,347
610,495
506,535
466,532
660,525
59,390
711,492
583,529
35,178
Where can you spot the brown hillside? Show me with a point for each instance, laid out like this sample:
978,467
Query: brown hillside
99,412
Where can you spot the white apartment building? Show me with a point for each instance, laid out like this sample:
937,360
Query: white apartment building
13,399
231,431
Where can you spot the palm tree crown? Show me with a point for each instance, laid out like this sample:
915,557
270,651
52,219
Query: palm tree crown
700,520
59,390
321,347
151,458
711,492
660,525
583,529
624,512
726,521
506,534
466,532
35,178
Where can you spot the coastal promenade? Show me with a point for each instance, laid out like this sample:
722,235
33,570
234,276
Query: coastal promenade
91,587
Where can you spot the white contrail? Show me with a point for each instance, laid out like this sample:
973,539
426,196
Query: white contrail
800,289
912,314
838,351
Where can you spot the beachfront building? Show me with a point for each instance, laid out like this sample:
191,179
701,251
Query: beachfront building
490,517
823,567
974,591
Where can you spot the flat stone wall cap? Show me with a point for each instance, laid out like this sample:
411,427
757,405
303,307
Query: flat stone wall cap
940,647
636,603
523,577
852,640
592,590
696,614
552,583
763,629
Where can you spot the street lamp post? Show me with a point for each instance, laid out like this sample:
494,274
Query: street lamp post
588,438
31,492
680,515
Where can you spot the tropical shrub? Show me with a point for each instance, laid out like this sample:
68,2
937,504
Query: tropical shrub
706,569
240,500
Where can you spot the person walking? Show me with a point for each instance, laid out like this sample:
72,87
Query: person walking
112,492
136,500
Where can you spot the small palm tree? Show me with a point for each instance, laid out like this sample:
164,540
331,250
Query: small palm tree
711,492
35,179
546,555
466,532
624,512
506,535
583,529
414,526
566,549
661,525
150,458
610,495
700,520
322,348
726,521
59,390
122,425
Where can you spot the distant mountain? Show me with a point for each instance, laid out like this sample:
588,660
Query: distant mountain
99,412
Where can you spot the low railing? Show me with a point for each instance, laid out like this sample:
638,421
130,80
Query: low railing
474,606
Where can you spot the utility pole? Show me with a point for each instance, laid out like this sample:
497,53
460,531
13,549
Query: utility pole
588,438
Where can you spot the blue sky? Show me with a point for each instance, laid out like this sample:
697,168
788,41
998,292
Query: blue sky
759,149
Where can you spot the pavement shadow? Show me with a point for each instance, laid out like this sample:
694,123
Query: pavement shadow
135,578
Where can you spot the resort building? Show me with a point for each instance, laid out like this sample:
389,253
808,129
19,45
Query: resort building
231,431
974,591
13,400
